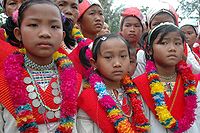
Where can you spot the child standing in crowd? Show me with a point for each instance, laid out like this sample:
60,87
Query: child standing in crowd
74,39
109,102
190,30
131,26
156,15
133,62
104,30
168,87
39,86
90,18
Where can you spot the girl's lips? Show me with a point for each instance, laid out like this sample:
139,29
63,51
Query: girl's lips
45,45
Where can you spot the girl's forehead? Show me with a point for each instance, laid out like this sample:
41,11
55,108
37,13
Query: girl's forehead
170,35
113,43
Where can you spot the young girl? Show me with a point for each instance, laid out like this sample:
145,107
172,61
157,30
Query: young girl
168,87
109,102
160,14
38,85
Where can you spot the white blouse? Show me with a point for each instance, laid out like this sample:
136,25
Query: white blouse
8,124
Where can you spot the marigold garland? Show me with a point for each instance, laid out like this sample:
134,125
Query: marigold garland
157,92
24,115
121,123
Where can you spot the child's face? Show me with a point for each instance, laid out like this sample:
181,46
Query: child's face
92,20
113,60
69,8
11,6
131,29
161,18
169,51
133,63
190,34
41,32
104,30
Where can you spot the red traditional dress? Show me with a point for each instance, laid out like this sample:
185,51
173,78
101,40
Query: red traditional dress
175,103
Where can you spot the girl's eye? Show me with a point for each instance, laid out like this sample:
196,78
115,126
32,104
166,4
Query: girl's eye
123,56
108,57
163,43
55,27
178,43
75,7
127,25
32,25
91,13
60,5
137,25
101,13
12,3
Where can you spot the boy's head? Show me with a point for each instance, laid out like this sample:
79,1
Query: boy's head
131,26
85,5
189,28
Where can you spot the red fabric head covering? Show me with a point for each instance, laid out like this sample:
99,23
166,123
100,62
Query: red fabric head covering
131,11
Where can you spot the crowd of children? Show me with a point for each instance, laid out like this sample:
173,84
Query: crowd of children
63,71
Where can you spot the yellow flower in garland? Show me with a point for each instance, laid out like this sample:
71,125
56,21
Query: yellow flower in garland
156,88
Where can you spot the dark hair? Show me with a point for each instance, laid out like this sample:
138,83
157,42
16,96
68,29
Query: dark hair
70,42
96,48
163,29
160,13
4,4
10,24
26,4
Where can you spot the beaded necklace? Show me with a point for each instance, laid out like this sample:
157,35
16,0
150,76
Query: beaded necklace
33,65
119,101
26,122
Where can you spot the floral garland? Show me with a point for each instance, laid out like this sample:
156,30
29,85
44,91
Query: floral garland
120,122
157,92
141,122
24,114
76,33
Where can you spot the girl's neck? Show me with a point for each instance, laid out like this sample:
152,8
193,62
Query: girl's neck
167,73
112,85
39,60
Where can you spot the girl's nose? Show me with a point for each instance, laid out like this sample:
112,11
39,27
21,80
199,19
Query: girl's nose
117,63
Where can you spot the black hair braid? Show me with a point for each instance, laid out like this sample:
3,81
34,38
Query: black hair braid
70,42
9,27
82,56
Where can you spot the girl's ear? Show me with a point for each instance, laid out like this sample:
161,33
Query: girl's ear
17,34
151,51
93,63
64,34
